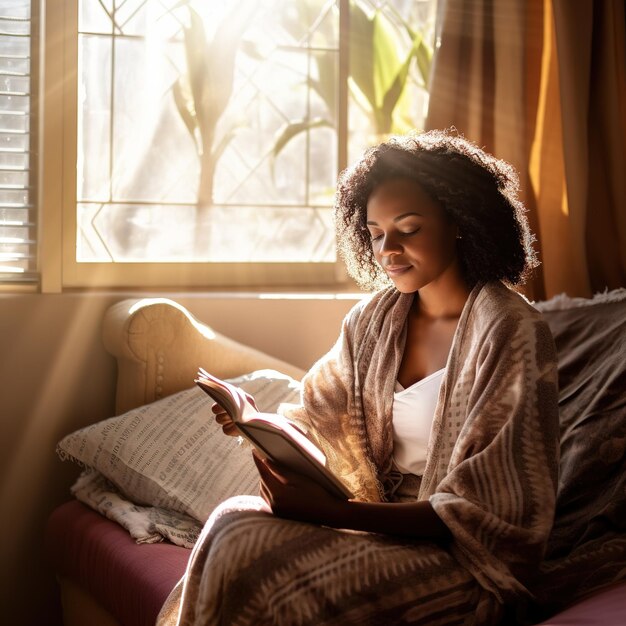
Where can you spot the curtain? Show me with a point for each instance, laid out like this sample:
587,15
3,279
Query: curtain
541,83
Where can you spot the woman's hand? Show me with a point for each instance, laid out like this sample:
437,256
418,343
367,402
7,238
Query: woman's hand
224,420
295,496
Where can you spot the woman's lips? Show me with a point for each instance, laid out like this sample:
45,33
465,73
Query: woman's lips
396,270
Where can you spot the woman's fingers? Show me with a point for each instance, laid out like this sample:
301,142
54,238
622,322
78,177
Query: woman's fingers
225,421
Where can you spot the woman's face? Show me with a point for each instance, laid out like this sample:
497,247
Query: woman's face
412,238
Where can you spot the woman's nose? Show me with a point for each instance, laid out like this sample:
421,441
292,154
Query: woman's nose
390,245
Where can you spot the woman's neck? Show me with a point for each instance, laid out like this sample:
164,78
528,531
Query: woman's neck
442,299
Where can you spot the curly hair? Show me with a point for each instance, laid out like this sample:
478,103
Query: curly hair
477,191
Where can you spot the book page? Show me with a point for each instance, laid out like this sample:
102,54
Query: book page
232,399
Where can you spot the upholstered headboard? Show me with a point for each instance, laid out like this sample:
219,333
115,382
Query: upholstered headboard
159,346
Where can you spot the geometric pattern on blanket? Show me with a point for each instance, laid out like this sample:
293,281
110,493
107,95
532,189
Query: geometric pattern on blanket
250,568
587,546
159,470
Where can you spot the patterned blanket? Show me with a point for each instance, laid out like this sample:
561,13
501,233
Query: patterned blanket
253,569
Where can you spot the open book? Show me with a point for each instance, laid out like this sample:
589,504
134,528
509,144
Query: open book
273,435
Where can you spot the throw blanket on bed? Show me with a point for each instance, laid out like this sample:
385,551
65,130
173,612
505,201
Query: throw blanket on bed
491,476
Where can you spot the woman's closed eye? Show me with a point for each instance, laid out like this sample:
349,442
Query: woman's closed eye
375,236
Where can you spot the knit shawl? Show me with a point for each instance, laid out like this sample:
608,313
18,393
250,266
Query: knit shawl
492,459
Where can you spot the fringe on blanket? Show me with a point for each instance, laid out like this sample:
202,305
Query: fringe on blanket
562,302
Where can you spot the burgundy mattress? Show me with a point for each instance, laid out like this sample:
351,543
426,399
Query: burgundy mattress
130,580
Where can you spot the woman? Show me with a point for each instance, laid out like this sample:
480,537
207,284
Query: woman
437,406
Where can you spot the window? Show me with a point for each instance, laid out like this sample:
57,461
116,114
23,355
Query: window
207,135
18,252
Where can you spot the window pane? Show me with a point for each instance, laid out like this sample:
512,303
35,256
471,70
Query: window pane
251,230
383,35
94,119
154,157
226,154
95,16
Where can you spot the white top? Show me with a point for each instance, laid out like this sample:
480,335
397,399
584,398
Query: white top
413,412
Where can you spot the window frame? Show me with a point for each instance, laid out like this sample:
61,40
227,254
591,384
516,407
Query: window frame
58,216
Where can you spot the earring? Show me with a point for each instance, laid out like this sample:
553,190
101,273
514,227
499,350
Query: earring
459,237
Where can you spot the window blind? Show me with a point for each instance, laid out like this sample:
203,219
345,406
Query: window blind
18,223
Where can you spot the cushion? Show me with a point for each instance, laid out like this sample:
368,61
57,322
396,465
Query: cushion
591,346
587,546
171,454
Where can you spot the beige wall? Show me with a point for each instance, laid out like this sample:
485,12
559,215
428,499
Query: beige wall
56,376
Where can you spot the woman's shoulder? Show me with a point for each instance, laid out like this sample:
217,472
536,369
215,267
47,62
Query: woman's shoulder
505,319
495,301
500,314
374,305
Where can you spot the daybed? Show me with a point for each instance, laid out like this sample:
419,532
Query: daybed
158,469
